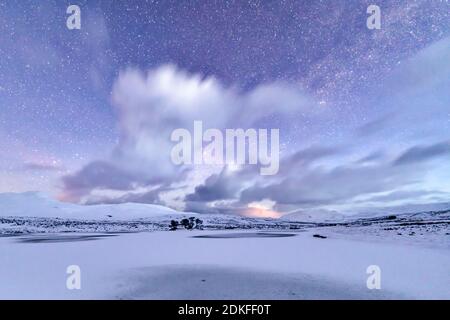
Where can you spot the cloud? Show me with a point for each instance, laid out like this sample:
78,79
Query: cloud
216,187
42,166
304,158
371,157
102,175
312,175
228,183
415,98
406,194
151,105
418,154
151,196
305,183
426,70
318,186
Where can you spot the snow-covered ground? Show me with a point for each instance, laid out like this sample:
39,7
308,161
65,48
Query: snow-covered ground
126,252
39,205
177,265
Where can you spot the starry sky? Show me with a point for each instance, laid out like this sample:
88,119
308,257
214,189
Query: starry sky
364,115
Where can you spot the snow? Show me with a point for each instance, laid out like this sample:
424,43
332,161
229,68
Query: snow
173,265
231,258
314,216
35,204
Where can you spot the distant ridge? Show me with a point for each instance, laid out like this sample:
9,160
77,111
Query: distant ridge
37,204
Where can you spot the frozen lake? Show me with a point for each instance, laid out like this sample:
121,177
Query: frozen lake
217,265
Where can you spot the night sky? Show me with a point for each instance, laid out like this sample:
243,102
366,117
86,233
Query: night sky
364,115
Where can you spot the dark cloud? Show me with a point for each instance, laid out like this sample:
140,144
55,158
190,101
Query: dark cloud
371,157
423,153
232,208
404,194
216,187
321,187
100,175
301,183
145,197
200,207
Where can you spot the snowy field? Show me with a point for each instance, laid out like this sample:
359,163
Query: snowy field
127,252
178,265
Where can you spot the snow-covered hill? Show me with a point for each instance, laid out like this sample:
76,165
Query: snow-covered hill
314,216
35,204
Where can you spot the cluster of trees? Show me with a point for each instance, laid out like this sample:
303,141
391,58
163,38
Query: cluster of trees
189,224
